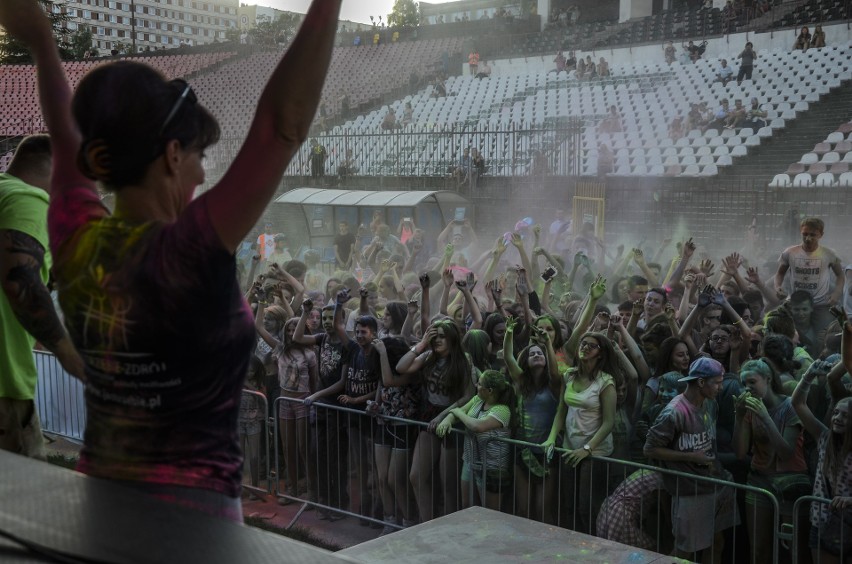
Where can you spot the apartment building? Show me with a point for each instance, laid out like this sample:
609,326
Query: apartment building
157,23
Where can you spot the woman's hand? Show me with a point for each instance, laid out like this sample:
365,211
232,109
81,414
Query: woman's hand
688,249
839,503
756,406
413,307
424,282
447,278
379,347
345,400
510,324
522,285
574,457
426,342
442,428
343,296
516,240
307,306
598,288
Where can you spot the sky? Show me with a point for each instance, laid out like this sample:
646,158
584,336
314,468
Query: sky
353,10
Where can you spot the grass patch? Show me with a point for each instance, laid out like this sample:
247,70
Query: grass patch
296,533
61,460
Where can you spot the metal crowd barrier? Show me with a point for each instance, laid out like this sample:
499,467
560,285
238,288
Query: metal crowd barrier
822,552
653,532
255,458
59,399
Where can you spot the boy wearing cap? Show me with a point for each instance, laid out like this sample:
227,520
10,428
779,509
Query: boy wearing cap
683,438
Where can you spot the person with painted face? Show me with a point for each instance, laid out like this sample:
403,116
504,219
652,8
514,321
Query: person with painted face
298,378
810,267
537,382
447,377
586,411
833,473
333,346
683,438
766,425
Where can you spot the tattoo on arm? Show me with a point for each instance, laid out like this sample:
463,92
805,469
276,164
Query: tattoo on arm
21,260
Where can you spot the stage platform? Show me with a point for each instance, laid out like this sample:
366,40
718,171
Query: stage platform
484,536
93,520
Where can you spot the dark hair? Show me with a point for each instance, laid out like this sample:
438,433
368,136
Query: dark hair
121,109
475,344
608,361
664,359
32,153
801,296
458,367
779,349
502,386
636,280
528,384
255,372
738,305
625,306
779,321
369,322
492,321
661,292
295,268
559,339
398,312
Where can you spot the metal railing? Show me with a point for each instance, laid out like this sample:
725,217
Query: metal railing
59,399
338,465
823,549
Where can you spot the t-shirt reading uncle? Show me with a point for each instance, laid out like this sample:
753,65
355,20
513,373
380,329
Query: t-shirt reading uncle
156,313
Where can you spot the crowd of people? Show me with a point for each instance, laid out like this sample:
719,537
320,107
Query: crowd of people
584,69
548,338
443,371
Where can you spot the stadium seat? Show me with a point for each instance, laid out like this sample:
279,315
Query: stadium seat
802,180
780,180
845,179
826,179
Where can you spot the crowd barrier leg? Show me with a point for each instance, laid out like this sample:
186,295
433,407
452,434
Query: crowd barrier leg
828,543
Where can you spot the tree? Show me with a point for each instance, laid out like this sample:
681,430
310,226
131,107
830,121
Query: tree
272,33
405,13
80,43
13,51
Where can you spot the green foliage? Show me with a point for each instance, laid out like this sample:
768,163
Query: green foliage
13,51
405,13
273,33
80,42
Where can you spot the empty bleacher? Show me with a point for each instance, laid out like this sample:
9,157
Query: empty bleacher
19,95
495,115
829,164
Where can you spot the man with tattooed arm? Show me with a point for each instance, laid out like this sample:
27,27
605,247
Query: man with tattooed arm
27,313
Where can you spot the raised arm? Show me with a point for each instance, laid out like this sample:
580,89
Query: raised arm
800,403
471,302
512,365
596,292
281,122
261,330
299,334
26,20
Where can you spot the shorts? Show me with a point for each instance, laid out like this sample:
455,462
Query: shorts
20,428
692,515
400,436
496,481
289,410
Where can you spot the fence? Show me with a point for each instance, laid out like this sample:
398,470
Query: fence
604,476
825,548
59,399
346,466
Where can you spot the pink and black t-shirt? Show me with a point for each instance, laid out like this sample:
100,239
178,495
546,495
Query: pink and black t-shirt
156,313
